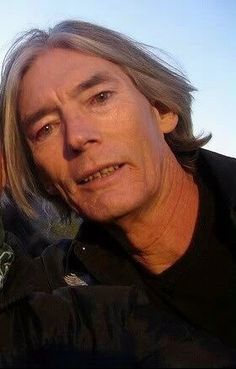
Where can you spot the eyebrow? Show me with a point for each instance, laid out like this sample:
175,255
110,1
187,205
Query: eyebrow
31,119
94,80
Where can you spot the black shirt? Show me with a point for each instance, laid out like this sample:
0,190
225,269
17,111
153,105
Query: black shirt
201,285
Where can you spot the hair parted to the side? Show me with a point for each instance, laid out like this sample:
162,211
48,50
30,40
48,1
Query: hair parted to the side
164,86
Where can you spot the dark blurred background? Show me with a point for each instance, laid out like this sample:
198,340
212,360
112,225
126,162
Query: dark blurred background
39,232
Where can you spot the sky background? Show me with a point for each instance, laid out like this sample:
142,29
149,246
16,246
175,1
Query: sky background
199,36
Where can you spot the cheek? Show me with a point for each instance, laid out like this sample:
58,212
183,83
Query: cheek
151,160
47,157
48,165
139,122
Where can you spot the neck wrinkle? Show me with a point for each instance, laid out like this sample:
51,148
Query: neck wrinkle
161,236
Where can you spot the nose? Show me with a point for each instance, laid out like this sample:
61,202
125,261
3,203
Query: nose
80,134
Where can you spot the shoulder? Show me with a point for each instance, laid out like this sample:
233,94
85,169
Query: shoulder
219,171
26,274
219,162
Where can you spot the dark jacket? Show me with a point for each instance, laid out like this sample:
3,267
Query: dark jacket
46,323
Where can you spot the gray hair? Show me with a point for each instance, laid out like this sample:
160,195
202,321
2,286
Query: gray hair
164,86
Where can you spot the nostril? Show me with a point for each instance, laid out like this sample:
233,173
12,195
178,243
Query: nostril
79,138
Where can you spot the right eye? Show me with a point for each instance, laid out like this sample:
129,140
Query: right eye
45,131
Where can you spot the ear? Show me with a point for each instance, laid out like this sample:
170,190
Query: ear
167,120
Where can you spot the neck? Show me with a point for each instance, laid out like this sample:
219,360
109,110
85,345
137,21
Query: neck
161,233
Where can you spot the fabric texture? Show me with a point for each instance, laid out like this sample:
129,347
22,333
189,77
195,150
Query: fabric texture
6,259
6,256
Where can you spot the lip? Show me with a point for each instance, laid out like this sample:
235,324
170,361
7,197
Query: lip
97,182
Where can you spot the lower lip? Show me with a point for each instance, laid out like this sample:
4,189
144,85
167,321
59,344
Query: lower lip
104,181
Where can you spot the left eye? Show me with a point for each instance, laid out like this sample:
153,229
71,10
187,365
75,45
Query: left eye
102,97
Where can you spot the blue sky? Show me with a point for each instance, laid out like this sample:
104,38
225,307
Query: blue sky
199,35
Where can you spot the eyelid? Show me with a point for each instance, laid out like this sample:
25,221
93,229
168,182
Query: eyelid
47,119
109,93
36,132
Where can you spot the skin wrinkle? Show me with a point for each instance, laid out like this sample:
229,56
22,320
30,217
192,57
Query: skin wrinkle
157,245
145,197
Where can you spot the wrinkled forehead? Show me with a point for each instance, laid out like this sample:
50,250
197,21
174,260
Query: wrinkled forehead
52,64
62,71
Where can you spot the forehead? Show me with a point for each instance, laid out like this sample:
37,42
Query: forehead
57,67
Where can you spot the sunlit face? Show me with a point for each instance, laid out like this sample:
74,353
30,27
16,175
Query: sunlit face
95,139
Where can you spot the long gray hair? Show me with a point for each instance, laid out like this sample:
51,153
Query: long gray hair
164,86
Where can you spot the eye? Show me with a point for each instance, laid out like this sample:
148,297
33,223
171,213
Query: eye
44,132
101,98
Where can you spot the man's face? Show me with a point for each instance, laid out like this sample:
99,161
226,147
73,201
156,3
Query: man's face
95,138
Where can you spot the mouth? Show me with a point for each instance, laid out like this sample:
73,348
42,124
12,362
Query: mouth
104,172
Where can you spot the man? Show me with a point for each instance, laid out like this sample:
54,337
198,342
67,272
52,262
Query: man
104,128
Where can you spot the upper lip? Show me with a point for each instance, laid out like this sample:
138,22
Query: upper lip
91,172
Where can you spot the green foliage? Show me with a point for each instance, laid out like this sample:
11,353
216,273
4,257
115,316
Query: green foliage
64,229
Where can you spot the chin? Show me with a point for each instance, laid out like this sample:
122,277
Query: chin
110,214
111,207
101,216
